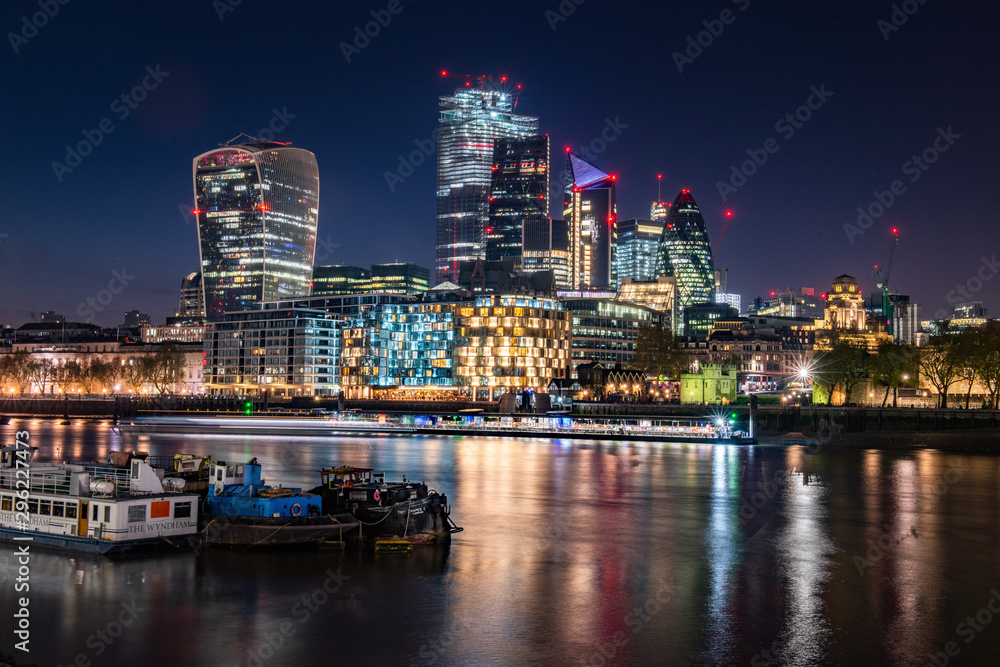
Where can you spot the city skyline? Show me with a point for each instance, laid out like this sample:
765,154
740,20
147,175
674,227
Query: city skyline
797,144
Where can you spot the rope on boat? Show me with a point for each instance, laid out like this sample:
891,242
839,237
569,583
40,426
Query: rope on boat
164,538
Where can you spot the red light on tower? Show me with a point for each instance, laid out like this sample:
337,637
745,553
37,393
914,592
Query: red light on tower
503,79
614,177
895,230
659,175
823,296
568,149
467,83
729,214
519,86
444,72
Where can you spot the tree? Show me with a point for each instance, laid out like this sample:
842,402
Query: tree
891,363
967,349
940,364
167,367
844,365
987,361
40,373
64,374
659,354
15,370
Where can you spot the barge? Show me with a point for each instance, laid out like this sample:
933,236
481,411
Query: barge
242,511
92,507
266,425
404,510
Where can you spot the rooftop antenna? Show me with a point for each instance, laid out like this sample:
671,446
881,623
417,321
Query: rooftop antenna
659,187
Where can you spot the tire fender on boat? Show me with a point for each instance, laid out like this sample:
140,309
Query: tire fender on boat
296,509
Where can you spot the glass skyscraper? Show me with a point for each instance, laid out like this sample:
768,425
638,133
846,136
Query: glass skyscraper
257,206
589,213
684,252
471,121
519,203
636,244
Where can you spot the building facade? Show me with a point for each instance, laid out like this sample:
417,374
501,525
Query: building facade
589,212
192,300
685,253
635,245
286,352
605,331
506,343
470,122
519,203
659,295
257,206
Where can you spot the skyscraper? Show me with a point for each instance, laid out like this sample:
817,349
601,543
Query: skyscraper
192,301
635,249
257,206
470,122
684,252
519,203
589,214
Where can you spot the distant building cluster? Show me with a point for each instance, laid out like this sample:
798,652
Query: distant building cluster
515,300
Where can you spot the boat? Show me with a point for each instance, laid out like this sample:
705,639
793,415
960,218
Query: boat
194,470
92,507
242,511
263,424
398,510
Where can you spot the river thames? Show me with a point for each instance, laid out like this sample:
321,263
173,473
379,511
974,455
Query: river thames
574,553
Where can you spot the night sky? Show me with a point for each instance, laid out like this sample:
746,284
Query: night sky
120,208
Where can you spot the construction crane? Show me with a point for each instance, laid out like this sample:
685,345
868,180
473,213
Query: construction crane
882,280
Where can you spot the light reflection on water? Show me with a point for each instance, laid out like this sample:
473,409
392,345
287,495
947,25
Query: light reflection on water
574,552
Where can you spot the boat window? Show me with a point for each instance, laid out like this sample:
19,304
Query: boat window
58,509
182,510
5,504
32,506
136,513
107,514
95,512
70,511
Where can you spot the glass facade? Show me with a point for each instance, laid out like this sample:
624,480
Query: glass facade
605,330
471,120
398,345
590,214
192,301
635,249
257,207
286,352
393,278
511,342
685,253
519,203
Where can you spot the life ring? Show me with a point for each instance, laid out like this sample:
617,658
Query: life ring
296,509
377,496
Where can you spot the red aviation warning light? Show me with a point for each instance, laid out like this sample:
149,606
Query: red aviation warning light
569,148
895,230
729,214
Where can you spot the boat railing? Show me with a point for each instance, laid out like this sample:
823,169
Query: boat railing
120,476
39,481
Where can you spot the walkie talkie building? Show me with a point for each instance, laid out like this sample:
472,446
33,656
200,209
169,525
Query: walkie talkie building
257,206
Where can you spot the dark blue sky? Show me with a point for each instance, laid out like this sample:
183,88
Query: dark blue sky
120,208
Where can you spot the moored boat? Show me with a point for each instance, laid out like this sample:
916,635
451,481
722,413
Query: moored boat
241,510
400,510
92,507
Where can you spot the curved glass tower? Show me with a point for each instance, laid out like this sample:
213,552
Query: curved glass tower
258,207
685,253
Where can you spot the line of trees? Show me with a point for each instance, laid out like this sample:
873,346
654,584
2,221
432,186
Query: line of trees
20,371
970,356
659,354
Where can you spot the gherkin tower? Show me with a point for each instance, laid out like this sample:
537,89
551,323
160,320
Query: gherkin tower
685,253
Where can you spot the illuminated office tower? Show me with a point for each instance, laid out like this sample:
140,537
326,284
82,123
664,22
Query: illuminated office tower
257,206
635,249
589,213
192,301
471,120
519,203
685,253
